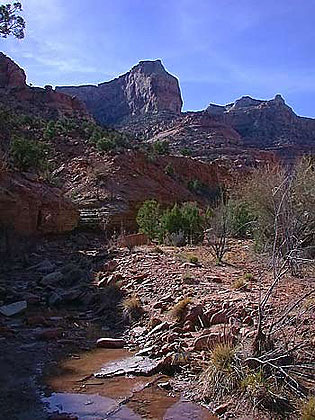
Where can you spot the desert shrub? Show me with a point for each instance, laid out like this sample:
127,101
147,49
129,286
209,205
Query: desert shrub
174,226
239,218
186,219
185,151
308,409
249,277
50,131
29,154
148,219
179,311
161,147
132,308
272,194
105,144
169,170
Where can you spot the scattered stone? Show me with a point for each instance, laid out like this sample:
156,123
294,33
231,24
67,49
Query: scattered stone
110,343
135,365
52,278
221,409
14,308
160,327
219,318
45,267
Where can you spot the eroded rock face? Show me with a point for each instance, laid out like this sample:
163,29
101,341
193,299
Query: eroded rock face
16,94
30,207
146,88
11,75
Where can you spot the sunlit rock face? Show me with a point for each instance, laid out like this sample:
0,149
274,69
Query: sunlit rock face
146,88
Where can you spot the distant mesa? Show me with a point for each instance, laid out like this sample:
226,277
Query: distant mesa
146,88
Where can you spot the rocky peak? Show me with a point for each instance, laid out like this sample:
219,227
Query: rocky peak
146,88
16,94
11,75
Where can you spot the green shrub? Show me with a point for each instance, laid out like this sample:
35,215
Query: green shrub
29,154
148,219
175,225
106,144
161,147
240,219
50,130
169,169
185,151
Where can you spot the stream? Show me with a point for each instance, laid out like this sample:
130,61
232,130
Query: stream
77,387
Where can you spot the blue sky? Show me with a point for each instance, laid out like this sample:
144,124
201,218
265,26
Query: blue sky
219,49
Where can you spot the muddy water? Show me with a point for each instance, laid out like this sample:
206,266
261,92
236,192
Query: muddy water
77,391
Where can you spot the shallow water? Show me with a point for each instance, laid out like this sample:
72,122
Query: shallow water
77,391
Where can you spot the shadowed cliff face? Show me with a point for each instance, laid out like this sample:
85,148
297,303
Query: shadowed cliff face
146,88
47,103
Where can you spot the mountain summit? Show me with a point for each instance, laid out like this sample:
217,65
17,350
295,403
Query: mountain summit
146,88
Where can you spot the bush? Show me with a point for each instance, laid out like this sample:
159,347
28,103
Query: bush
240,219
50,130
105,144
148,219
169,170
29,154
161,147
185,151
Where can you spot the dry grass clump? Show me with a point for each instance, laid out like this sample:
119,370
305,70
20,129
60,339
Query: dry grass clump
193,259
180,310
221,376
222,356
132,308
308,409
249,277
239,284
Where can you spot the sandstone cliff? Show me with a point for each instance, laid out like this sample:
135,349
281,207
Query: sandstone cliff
30,207
16,94
146,88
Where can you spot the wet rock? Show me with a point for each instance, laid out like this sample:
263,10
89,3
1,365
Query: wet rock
135,365
14,308
110,343
52,278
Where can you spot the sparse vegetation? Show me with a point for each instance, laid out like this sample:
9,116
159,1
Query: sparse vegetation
132,308
193,259
29,154
308,409
179,311
161,147
239,284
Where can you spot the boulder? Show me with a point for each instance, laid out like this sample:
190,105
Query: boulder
14,308
110,343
